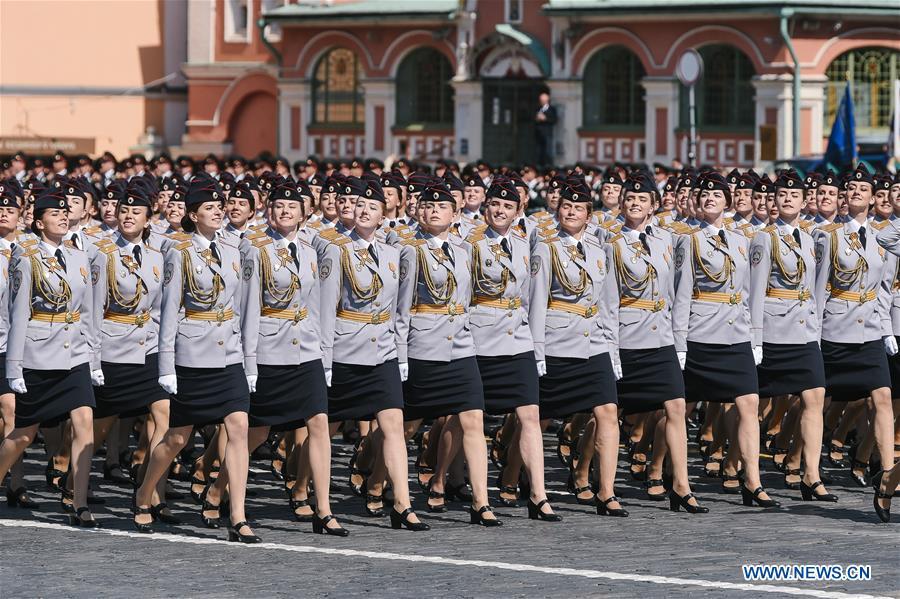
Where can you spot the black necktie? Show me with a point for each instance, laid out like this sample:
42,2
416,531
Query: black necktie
373,254
797,236
447,252
75,241
862,236
214,252
505,247
59,258
580,249
723,238
293,248
644,242
137,254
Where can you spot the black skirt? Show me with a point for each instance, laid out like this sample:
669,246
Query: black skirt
894,367
436,389
286,396
719,373
208,395
853,370
359,392
574,385
52,394
790,368
128,389
650,378
508,382
4,384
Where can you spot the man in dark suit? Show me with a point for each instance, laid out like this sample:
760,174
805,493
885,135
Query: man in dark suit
545,120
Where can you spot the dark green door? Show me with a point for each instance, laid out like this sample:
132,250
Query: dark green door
508,120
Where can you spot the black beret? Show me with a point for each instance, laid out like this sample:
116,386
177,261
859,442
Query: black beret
503,188
437,192
789,179
353,186
202,190
50,199
862,174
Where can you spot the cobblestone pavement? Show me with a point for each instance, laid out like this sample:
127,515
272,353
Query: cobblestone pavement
653,553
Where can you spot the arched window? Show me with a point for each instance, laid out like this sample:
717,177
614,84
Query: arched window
336,92
424,94
870,72
724,94
613,95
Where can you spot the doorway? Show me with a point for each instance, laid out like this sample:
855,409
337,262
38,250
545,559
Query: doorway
508,119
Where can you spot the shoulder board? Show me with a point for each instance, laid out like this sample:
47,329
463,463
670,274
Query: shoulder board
260,227
5,253
339,239
28,242
328,233
413,241
598,214
108,249
314,225
183,245
518,233
614,238
480,228
547,232
406,234
880,226
30,253
474,236
255,235
261,241
549,240
615,228
152,248
540,214
93,231
546,224
104,241
832,227
770,229
180,236
729,221
608,223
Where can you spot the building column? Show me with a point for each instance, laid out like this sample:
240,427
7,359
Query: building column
774,117
468,119
812,114
380,114
660,118
294,106
566,94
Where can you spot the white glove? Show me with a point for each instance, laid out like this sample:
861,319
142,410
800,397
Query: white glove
617,370
404,371
327,377
17,385
251,382
890,345
541,367
169,383
97,378
757,355
682,358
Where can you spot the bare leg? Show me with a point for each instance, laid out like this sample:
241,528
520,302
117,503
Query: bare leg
606,449
811,425
82,451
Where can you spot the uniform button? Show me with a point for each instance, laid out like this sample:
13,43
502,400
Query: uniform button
859,321
730,322
373,339
450,319
586,334
294,342
802,321
141,342
220,306
66,345
377,303
653,328
294,306
509,314
66,328
449,337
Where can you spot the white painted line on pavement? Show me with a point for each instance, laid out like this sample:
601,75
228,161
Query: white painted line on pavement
448,561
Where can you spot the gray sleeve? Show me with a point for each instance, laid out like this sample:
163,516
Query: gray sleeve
250,306
169,311
539,294
760,267
683,280
408,276
19,313
889,237
329,297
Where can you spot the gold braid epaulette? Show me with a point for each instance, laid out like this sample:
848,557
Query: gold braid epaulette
413,242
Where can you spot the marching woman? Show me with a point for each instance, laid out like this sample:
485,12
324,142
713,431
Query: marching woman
200,354
498,319
282,345
360,281
571,284
435,347
50,356
711,324
784,325
127,278
641,257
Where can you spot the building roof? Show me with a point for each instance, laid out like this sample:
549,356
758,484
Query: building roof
342,9
836,7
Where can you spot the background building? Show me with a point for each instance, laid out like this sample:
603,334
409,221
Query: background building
460,78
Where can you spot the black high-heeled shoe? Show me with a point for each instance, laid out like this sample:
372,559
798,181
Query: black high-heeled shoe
357,489
114,473
655,482
509,491
206,506
498,449
143,511
53,476
884,514
459,493
19,498
750,497
235,536
535,513
373,499
791,472
565,447
196,482
776,451
67,501
808,493
439,508
677,501
401,519
576,491
298,503
320,526
76,519
477,517
713,472
639,475
859,479
836,463
603,508
159,515
736,490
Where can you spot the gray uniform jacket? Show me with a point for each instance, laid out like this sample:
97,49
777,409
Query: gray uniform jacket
127,299
646,287
572,299
498,316
712,283
432,308
848,278
206,334
4,298
359,301
324,236
280,304
782,284
889,239
50,320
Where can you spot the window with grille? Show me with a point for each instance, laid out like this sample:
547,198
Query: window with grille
424,94
613,94
724,95
337,94
870,72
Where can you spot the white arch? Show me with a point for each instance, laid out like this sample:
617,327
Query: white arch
626,33
729,30
217,115
357,44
